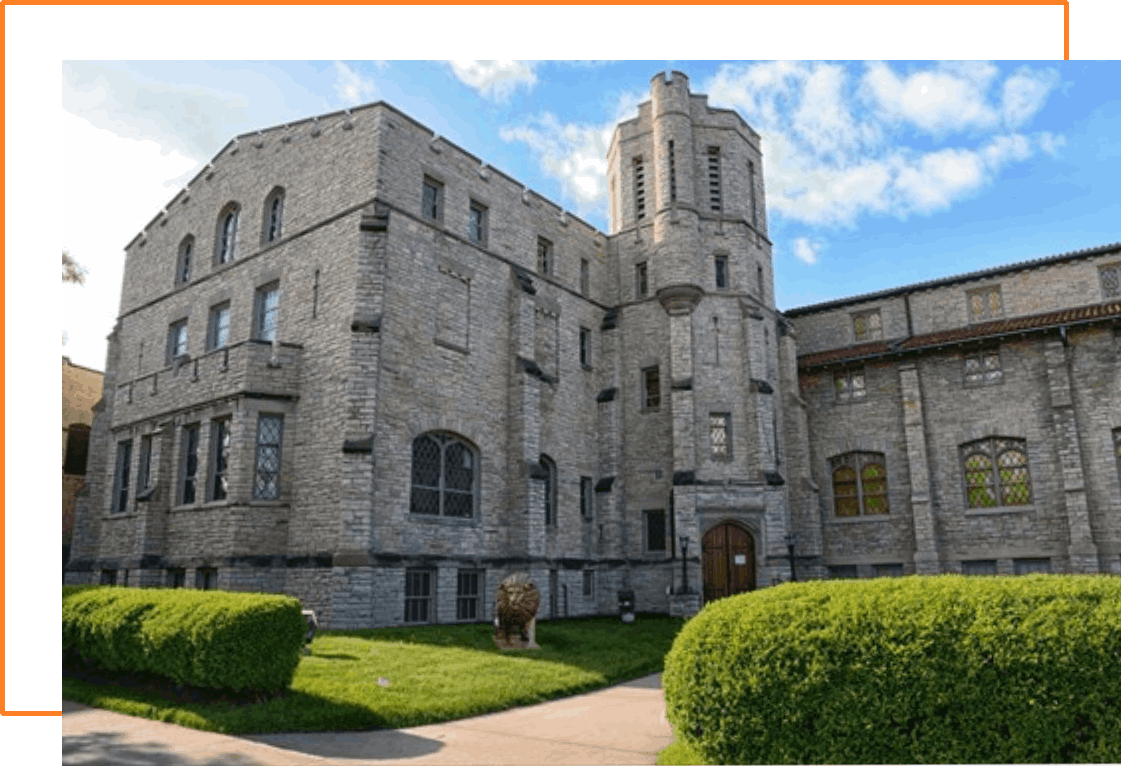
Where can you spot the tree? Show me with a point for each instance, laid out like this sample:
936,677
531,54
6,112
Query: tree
72,271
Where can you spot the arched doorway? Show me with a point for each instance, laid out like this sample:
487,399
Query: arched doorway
729,561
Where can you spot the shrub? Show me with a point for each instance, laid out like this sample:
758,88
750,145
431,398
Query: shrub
911,670
209,639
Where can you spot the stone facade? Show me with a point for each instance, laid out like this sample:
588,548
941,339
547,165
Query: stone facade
81,388
358,365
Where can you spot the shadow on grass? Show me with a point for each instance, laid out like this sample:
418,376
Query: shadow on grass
103,748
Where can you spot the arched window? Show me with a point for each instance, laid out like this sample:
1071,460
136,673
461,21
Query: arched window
274,216
444,471
185,262
550,469
996,473
226,240
859,484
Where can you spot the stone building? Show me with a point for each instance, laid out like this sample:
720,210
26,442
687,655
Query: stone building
81,388
357,364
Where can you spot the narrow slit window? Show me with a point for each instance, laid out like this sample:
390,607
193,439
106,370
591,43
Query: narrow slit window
639,189
715,200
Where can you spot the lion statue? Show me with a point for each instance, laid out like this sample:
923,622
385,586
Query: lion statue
516,609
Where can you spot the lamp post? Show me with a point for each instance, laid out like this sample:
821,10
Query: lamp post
684,541
790,555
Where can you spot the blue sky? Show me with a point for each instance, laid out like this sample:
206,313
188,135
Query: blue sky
877,174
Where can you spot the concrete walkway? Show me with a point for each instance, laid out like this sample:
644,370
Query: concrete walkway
623,724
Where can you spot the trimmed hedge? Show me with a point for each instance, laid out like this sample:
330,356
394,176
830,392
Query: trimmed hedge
904,670
207,639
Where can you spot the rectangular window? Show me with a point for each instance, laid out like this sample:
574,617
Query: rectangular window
718,423
585,347
672,173
849,385
176,340
190,463
586,496
979,567
267,312
108,576
985,304
721,272
176,578
843,572
218,329
220,458
585,279
982,368
477,223
639,189
544,256
467,595
640,285
121,478
266,481
206,578
432,202
418,595
655,530
715,202
867,325
888,570
144,470
1110,277
751,191
651,389
590,584
1031,566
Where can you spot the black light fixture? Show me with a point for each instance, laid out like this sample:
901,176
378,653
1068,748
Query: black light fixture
790,555
684,541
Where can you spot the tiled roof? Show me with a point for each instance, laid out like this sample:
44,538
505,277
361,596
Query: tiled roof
957,278
1080,315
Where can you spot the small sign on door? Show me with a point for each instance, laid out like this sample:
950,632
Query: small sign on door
740,559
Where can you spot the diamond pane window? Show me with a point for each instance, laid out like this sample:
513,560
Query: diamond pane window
443,476
996,473
859,484
1111,281
266,482
718,431
985,304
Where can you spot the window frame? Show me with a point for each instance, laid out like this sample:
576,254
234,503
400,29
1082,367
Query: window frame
176,577
726,428
985,374
648,539
266,484
1030,566
751,190
638,166
1109,281
720,275
586,356
672,162
589,585
217,332
477,228
206,578
992,449
444,441
645,379
873,326
177,338
217,485
425,602
272,220
121,477
844,572
641,280
715,181
225,240
549,466
987,312
188,469
468,599
183,262
262,312
144,467
845,388
859,463
979,568
435,200
546,257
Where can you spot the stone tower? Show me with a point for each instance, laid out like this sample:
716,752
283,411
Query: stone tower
699,336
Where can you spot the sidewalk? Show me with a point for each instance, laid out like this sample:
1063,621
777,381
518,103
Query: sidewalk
623,724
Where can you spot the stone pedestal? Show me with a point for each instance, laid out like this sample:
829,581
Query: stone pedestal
515,641
684,604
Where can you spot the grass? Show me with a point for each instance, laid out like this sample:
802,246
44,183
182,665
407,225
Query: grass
434,673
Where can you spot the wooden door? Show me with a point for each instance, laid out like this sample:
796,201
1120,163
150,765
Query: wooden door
728,555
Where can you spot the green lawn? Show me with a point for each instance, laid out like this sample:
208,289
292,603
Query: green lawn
434,673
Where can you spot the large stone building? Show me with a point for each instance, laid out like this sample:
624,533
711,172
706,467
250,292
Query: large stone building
356,364
81,389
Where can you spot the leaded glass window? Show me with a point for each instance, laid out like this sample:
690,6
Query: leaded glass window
227,235
418,595
849,385
266,474
1111,281
867,325
220,438
274,215
996,473
190,463
443,476
718,433
982,368
985,304
467,595
268,310
859,484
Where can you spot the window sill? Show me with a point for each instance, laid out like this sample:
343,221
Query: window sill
451,346
999,510
457,521
124,515
860,519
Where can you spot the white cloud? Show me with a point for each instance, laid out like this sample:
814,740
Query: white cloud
351,87
937,101
1025,92
496,80
808,250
